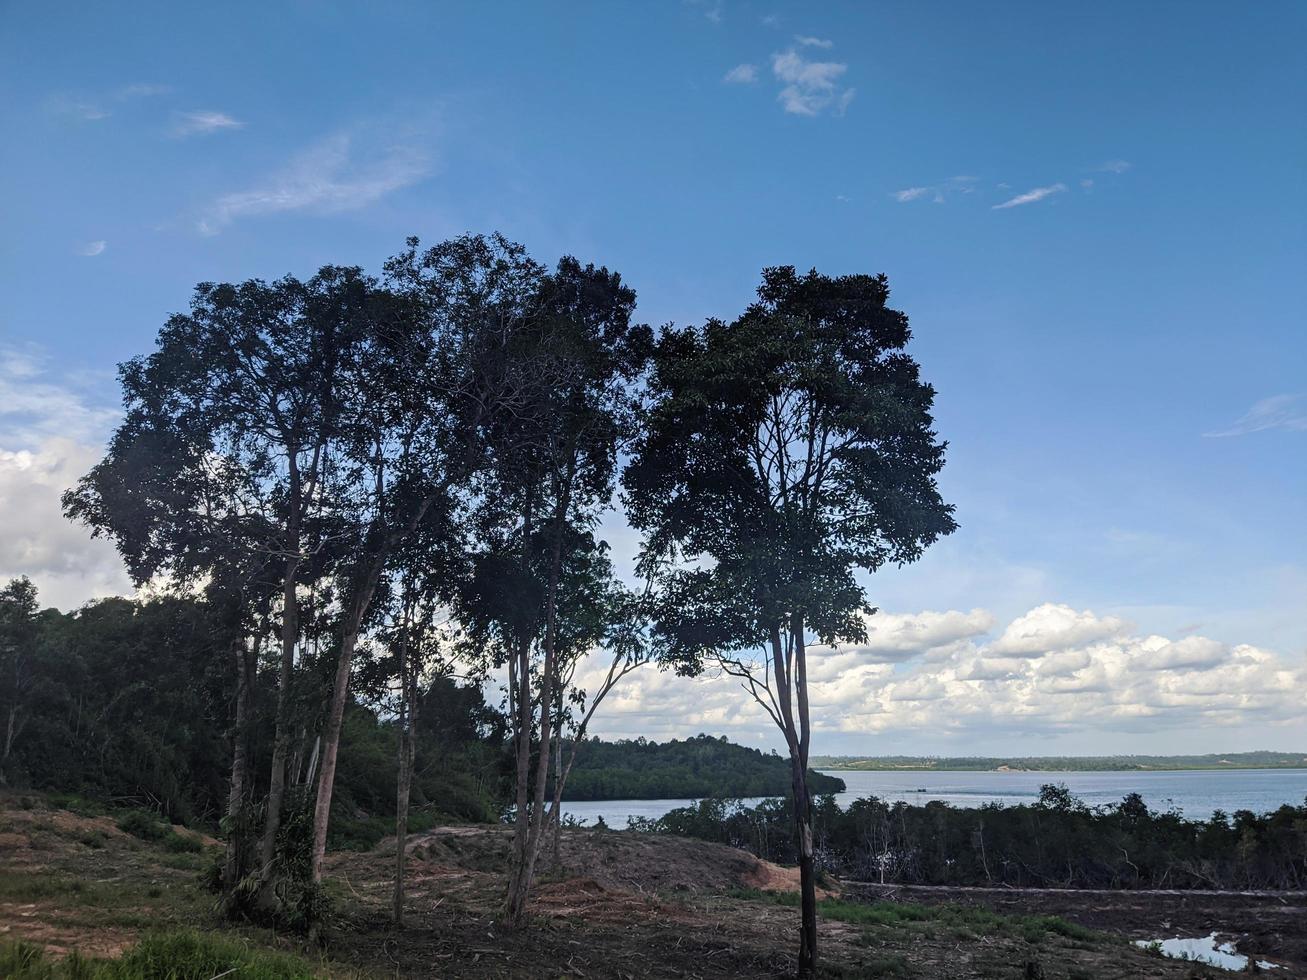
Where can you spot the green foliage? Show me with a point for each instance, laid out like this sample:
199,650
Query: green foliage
130,703
699,767
140,824
135,706
182,843
180,955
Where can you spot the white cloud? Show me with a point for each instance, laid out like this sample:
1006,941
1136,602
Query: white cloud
937,192
1031,196
813,42
203,121
810,87
742,75
1052,627
335,175
1115,166
912,194
896,637
90,249
1053,671
50,436
1288,412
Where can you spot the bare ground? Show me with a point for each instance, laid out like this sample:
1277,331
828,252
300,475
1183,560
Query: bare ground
616,904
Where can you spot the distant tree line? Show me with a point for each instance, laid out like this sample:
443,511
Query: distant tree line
1058,842
130,703
1059,763
699,767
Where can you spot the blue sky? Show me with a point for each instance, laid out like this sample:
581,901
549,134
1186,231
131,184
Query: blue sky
1095,215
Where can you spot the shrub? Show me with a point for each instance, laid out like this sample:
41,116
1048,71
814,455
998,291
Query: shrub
140,824
163,956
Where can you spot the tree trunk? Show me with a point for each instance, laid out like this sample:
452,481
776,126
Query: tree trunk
803,810
557,817
525,861
289,634
238,799
523,720
331,746
407,747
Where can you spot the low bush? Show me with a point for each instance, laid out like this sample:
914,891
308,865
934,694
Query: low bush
164,956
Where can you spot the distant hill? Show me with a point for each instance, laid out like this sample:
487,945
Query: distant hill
1066,763
695,768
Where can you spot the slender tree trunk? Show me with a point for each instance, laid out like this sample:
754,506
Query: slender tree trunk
289,634
331,746
407,747
238,799
557,816
523,723
525,869
803,810
522,715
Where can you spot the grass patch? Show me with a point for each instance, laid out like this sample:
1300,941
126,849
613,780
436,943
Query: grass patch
184,862
960,921
23,887
177,843
180,955
143,825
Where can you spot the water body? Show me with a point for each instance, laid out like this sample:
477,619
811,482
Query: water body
1196,794
1204,950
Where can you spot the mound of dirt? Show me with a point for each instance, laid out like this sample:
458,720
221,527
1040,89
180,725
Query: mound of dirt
611,860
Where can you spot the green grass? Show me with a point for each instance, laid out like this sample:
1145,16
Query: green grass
140,824
960,921
25,887
177,955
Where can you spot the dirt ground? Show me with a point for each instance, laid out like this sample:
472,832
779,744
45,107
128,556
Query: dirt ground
615,905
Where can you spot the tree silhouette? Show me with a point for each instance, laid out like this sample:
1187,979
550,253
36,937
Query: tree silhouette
782,453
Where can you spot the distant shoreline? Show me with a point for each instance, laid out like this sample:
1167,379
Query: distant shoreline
823,767
1230,762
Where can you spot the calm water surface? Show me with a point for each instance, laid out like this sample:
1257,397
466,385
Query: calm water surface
1195,794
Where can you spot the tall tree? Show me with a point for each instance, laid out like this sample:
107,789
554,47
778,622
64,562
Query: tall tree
783,452
441,365
227,458
19,670
563,455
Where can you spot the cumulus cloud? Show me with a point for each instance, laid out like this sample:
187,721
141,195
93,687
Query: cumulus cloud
1288,412
50,436
1052,671
201,121
1031,196
741,75
91,249
341,173
1053,627
810,87
892,638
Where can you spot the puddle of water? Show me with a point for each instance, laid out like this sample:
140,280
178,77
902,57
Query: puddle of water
1204,951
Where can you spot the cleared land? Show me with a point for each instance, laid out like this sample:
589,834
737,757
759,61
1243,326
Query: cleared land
615,905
